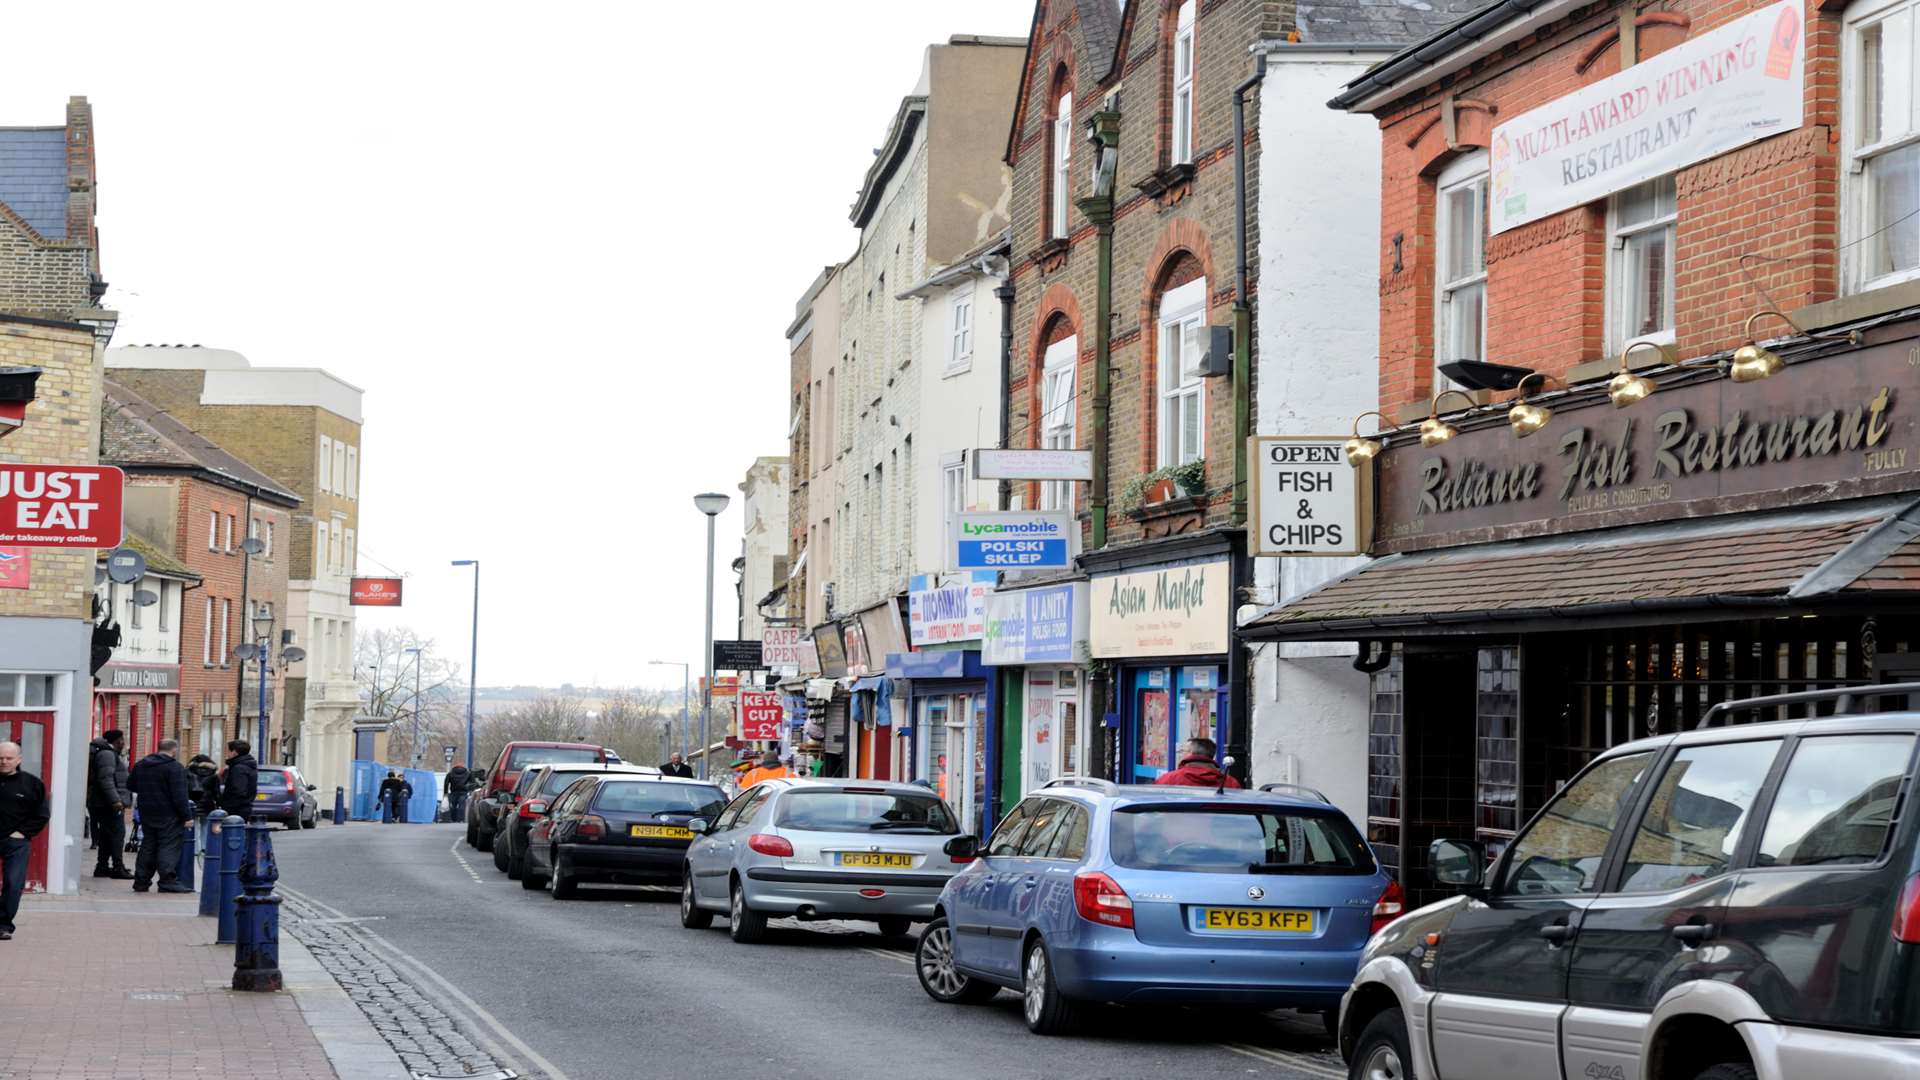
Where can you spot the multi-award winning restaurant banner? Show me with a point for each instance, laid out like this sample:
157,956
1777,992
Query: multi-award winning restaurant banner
1723,89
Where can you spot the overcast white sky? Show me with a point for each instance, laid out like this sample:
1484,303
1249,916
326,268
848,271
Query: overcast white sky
557,245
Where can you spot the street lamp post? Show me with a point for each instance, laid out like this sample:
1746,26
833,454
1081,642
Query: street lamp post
263,654
415,650
473,662
710,504
686,702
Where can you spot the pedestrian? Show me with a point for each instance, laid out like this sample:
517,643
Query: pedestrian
239,780
107,799
1197,768
203,784
769,769
456,789
677,766
389,790
159,784
401,796
23,813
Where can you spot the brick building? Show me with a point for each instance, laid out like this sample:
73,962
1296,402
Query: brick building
138,689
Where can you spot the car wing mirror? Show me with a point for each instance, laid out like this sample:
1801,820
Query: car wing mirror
311,787
698,826
965,846
1458,864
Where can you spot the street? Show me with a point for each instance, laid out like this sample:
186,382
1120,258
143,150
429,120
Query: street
611,985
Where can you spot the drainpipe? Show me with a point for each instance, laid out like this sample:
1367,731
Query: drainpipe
1242,310
1103,131
1004,293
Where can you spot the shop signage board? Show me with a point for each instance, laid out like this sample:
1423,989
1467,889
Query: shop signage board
140,678
16,568
1032,464
760,715
1046,625
1178,610
1023,540
1306,499
737,656
1720,90
780,647
809,657
853,635
375,592
1823,429
832,650
946,608
61,506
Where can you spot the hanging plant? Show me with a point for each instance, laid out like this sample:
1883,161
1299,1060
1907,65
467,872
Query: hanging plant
1159,485
1192,477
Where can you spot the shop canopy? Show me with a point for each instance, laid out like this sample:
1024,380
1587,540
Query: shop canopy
1863,554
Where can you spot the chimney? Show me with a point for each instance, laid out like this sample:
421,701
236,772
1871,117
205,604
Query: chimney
80,179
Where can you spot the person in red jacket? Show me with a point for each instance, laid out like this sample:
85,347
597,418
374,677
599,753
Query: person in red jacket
1197,768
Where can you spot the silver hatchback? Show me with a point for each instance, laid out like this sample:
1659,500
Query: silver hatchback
820,849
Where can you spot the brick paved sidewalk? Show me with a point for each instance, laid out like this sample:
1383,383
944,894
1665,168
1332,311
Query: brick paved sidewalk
110,984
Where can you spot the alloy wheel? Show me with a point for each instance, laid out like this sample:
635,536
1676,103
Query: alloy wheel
936,962
686,895
737,907
1035,990
1383,1064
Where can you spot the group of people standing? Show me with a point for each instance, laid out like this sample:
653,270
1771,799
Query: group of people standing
165,796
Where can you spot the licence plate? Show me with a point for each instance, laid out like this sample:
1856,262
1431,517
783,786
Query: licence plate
260,796
891,860
669,832
1265,920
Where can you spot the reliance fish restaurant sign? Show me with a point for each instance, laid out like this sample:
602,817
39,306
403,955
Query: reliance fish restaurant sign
1724,89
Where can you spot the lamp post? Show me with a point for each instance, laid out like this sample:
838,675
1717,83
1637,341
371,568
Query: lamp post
263,654
415,650
473,661
686,700
710,504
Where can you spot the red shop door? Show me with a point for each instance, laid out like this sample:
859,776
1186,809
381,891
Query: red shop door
34,732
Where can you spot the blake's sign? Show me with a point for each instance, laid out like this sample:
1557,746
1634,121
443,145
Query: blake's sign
375,592
72,506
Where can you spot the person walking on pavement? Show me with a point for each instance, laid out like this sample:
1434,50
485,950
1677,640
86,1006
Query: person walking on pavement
159,784
388,797
23,813
456,791
240,780
769,769
676,766
107,799
1197,768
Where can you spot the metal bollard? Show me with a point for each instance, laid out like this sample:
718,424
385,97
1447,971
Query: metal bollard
184,869
210,865
233,848
256,956
339,806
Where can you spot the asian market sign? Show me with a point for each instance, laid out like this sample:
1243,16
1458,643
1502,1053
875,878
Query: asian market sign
760,715
1026,540
375,592
62,506
1047,625
948,608
1172,611
1724,89
1306,499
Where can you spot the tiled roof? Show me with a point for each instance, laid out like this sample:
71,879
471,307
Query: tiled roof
33,177
158,561
1100,30
135,432
1378,22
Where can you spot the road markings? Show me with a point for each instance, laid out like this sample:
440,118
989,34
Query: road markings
464,864
905,958
1310,1065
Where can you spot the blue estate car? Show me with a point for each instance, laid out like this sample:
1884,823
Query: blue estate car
1093,892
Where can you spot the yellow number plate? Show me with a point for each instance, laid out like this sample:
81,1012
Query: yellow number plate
891,860
1274,920
669,832
260,796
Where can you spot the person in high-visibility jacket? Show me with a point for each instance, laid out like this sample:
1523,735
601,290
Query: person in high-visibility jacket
769,769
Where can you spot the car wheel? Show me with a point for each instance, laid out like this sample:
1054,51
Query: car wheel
473,834
1047,1010
517,864
486,841
499,855
311,822
561,884
894,926
692,915
532,882
1382,1052
1729,1072
746,925
933,959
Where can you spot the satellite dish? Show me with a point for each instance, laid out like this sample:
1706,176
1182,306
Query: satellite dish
245,652
126,566
144,598
293,654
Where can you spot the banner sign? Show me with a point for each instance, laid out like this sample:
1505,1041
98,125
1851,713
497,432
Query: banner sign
1173,611
141,678
1306,499
375,592
1721,90
1037,626
1024,540
832,650
16,568
69,506
1032,464
949,608
760,715
780,646
737,656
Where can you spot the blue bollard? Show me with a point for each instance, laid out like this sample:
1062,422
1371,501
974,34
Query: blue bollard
256,955
233,848
339,806
185,868
210,867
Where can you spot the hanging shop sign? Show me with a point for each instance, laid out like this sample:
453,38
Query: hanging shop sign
1047,625
375,592
780,647
1820,430
1032,464
947,608
1170,611
832,650
1306,499
737,656
854,636
761,715
1026,540
72,506
882,632
809,658
1718,91
140,678
16,568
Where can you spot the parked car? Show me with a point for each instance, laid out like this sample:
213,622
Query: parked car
1089,891
538,786
283,795
820,849
619,827
485,802
1723,903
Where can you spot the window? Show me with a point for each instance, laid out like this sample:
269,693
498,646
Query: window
1059,417
349,555
161,589
1836,801
229,537
326,463
353,472
960,347
213,530
1560,853
1046,825
1006,838
1460,274
1183,412
269,540
852,811
1883,171
226,625
1212,840
1695,819
206,636
133,606
1062,162
953,487
339,468
319,545
1640,275
1070,841
1182,151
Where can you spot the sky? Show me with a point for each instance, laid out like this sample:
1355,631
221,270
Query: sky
557,245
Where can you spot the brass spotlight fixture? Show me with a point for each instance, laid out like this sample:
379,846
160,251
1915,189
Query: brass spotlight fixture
1751,363
1626,388
1433,430
1359,450
1525,416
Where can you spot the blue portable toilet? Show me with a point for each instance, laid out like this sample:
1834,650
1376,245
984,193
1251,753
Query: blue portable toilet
366,790
425,804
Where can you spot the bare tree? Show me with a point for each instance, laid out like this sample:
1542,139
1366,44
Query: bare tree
631,723
414,690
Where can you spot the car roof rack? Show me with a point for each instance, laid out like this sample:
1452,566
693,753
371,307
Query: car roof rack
1296,789
1093,782
1845,698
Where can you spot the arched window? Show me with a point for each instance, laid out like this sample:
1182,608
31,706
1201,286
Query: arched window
1059,429
1181,326
1062,172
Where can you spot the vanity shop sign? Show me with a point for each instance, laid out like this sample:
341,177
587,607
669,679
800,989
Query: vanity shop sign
1822,430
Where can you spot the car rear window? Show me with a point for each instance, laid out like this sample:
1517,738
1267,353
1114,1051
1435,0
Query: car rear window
864,811
272,780
1238,839
653,797
1837,801
558,781
523,756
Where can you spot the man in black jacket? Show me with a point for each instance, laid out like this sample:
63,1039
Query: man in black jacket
456,789
240,780
160,793
107,796
675,766
23,813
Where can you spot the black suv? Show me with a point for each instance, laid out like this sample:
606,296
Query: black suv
1727,903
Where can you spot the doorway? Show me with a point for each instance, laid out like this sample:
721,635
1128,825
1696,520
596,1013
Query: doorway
34,732
1439,766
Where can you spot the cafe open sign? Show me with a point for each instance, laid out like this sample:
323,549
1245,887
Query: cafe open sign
375,592
1306,499
70,506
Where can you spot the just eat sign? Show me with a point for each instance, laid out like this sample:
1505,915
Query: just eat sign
72,506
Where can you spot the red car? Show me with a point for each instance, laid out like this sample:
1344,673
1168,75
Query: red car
483,807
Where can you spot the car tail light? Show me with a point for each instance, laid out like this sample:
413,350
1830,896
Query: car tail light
1391,905
1906,917
768,844
1099,898
591,827
532,809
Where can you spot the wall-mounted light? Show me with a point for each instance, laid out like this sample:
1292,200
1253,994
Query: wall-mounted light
1433,430
1525,416
1626,387
1751,362
1361,450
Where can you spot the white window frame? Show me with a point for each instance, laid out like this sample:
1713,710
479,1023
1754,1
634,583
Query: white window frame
133,606
161,588
226,627
1469,170
353,472
1858,216
1183,65
268,540
229,547
1059,414
206,636
339,468
1619,334
1062,167
347,553
960,331
213,530
326,463
1182,310
320,546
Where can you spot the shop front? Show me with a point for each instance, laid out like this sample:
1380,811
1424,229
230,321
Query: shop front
142,700
878,746
824,737
948,700
1165,631
1035,646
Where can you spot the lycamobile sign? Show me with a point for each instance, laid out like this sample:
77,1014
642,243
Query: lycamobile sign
1027,540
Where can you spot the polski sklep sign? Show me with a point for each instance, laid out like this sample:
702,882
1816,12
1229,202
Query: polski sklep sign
1023,540
948,608
1726,88
1306,499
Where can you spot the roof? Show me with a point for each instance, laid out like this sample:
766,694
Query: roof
1099,35
1374,22
887,159
33,177
1448,48
134,432
1772,559
158,561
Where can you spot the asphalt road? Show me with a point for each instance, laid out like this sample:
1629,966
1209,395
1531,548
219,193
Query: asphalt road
611,986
